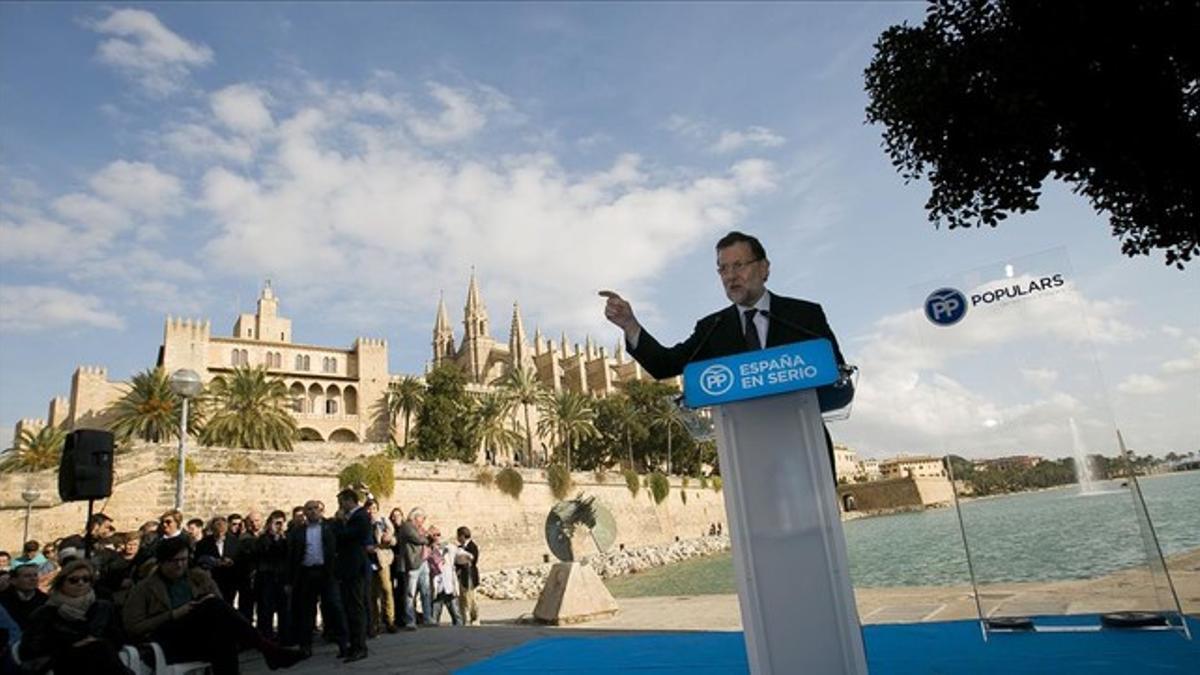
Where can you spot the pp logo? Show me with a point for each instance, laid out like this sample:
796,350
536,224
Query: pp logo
716,379
946,306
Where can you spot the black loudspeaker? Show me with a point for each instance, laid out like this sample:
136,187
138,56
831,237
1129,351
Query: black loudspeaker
86,469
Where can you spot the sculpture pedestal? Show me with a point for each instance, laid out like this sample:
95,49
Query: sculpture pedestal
573,593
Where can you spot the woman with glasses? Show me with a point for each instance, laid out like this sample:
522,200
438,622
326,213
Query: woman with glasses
74,632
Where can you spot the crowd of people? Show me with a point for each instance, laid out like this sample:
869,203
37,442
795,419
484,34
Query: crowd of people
204,591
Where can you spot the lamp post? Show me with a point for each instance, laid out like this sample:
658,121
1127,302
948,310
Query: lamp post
186,384
30,495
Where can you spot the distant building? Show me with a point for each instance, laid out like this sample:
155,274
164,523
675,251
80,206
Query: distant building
921,466
1011,462
868,468
845,463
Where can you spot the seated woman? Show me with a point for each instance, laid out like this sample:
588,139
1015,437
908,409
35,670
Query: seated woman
74,632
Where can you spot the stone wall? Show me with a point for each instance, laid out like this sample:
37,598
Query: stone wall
880,495
509,531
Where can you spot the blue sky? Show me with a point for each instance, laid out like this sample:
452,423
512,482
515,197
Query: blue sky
165,158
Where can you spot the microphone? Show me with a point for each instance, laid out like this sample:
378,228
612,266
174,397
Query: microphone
712,326
808,332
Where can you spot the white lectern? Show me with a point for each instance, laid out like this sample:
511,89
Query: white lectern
789,552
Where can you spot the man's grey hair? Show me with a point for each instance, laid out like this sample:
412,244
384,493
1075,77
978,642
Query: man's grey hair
417,512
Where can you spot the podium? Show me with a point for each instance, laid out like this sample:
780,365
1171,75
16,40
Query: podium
789,553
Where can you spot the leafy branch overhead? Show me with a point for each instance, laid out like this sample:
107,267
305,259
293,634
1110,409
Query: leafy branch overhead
988,98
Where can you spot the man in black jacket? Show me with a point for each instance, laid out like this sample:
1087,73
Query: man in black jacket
312,554
467,567
757,319
353,568
22,595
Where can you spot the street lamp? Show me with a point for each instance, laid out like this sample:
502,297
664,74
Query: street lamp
30,495
186,384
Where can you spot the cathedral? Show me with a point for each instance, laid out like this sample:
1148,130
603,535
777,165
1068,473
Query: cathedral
563,367
337,394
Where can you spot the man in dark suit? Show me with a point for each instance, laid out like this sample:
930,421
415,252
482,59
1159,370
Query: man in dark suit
757,319
312,553
353,568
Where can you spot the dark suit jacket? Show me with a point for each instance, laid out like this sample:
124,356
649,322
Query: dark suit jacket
352,538
468,575
721,334
296,543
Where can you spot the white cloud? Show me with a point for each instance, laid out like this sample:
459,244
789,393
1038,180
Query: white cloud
92,213
340,219
762,137
242,108
1138,385
139,187
37,308
1043,377
200,142
461,116
1187,364
724,141
1172,331
36,239
148,52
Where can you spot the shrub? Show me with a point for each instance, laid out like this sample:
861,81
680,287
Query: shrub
703,481
510,482
685,481
683,496
485,478
171,467
352,475
239,464
632,482
559,480
601,476
659,486
381,475
716,483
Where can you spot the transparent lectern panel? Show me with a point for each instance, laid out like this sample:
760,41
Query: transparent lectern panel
1052,523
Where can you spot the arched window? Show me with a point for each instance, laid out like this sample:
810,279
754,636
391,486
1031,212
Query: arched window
235,358
331,406
278,360
245,358
333,365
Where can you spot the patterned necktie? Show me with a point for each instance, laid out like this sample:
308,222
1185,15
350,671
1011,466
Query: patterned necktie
752,341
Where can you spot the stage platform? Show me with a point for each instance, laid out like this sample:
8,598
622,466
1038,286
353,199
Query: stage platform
934,648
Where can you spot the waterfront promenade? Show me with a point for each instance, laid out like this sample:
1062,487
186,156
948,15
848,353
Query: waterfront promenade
445,649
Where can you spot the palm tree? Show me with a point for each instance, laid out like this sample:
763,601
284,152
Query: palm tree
569,417
35,450
489,423
625,421
404,396
666,415
522,386
250,409
149,410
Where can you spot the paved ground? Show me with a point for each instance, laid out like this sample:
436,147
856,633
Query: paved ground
444,649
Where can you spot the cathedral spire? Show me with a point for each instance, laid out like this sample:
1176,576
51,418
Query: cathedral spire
518,347
475,318
443,336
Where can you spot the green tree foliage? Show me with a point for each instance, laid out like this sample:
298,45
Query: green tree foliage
569,418
988,98
559,480
523,388
35,450
489,424
404,397
665,416
171,467
377,474
149,411
249,408
510,482
659,486
443,430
